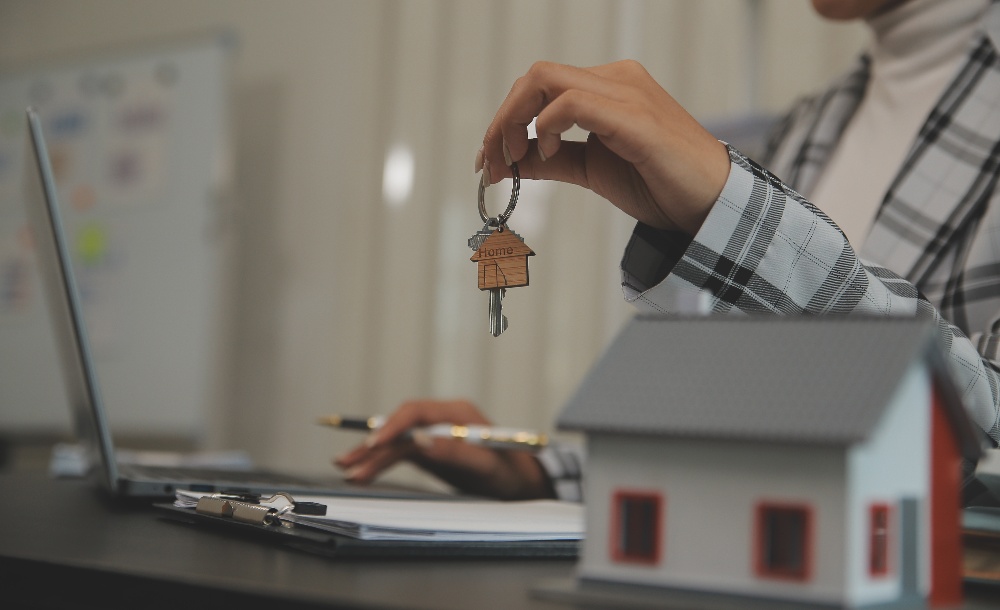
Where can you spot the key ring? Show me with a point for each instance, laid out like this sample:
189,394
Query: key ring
501,219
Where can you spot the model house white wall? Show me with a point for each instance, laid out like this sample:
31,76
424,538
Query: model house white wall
711,490
894,463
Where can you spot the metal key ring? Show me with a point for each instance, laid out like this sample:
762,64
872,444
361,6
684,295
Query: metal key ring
501,219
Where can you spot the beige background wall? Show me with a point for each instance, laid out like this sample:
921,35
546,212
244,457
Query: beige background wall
337,300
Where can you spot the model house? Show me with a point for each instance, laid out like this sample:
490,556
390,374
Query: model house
815,460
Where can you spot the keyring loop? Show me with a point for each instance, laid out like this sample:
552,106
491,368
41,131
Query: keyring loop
501,219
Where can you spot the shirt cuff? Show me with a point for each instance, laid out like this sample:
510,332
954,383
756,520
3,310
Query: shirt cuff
564,466
651,255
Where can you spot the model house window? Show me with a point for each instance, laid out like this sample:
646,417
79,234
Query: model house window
783,541
636,527
878,559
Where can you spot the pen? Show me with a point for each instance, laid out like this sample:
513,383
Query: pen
487,436
365,424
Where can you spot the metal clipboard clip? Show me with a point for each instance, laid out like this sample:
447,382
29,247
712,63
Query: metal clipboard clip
256,510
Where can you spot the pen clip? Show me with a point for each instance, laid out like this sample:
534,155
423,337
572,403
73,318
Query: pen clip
237,510
297,507
291,504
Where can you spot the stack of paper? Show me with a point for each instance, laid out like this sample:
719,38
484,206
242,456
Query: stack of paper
447,520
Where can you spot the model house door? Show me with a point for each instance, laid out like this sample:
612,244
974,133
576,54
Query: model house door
908,547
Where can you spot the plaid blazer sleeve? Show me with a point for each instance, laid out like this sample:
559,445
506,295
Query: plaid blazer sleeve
563,463
765,249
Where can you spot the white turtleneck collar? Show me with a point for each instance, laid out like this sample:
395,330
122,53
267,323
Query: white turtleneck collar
916,49
918,35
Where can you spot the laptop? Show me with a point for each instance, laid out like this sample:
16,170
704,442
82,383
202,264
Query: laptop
89,415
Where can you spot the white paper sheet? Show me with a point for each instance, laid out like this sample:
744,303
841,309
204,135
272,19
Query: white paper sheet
458,520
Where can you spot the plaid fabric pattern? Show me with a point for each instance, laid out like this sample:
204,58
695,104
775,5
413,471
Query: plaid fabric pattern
934,249
936,225
564,465
804,140
766,250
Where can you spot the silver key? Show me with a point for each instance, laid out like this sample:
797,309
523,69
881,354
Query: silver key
477,240
498,321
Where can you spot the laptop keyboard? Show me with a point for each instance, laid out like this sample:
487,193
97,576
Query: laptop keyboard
166,473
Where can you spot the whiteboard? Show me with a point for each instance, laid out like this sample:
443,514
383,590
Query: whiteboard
139,147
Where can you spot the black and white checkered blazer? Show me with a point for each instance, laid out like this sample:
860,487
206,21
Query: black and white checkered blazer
934,249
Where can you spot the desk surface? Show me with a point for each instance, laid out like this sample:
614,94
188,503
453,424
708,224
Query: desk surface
90,552
69,546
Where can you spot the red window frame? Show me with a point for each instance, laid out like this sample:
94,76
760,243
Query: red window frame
637,527
783,541
879,539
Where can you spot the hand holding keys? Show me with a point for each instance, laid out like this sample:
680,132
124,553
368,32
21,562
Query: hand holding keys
501,254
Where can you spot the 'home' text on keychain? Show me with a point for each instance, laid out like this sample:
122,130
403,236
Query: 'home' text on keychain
501,255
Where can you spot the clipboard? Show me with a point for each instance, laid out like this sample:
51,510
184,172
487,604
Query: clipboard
251,520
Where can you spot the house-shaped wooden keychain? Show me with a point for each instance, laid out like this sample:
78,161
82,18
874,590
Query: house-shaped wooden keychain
503,260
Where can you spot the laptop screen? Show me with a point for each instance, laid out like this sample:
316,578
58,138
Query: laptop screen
64,306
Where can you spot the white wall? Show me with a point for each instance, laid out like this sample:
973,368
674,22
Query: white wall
338,302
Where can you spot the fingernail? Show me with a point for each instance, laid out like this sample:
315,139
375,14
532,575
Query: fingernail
372,440
486,172
422,439
541,154
506,154
352,473
479,160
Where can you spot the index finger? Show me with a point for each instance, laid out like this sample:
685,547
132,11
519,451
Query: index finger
529,95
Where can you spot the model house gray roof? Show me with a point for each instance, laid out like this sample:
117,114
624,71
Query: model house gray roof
769,378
